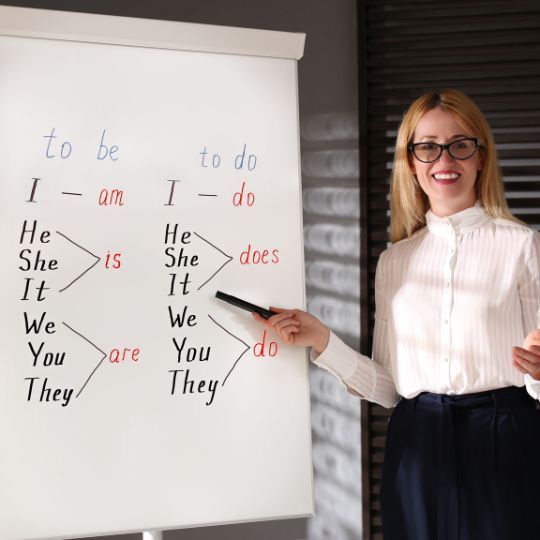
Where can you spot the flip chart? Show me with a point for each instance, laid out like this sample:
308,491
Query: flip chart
143,166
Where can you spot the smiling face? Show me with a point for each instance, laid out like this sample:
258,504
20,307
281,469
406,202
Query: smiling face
447,182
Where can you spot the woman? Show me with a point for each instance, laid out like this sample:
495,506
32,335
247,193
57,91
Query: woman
456,293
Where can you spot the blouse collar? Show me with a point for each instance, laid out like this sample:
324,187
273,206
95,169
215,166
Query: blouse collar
470,218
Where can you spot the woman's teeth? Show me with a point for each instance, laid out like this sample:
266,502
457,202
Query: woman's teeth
446,176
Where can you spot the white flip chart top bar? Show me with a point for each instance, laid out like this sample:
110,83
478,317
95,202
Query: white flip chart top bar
92,28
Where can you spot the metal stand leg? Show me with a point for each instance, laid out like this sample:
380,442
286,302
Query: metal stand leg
152,535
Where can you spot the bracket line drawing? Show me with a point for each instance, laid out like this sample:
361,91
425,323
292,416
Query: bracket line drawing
84,249
229,259
95,347
235,337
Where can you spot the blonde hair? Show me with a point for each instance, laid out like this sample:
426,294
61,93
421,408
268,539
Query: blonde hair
408,202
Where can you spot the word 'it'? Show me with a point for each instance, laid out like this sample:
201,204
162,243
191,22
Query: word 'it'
63,149
242,161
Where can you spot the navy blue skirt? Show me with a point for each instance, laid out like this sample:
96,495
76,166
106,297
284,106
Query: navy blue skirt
463,468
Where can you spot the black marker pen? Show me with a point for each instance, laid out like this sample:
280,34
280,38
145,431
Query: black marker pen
266,313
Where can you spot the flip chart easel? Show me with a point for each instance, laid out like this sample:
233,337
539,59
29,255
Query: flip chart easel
145,165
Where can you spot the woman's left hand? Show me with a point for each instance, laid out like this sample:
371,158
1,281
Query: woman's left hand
527,358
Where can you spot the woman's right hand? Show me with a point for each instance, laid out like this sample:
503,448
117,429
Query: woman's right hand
297,327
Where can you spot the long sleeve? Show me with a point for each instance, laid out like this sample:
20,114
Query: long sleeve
362,376
529,296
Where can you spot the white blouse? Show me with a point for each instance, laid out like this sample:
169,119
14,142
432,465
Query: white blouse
451,302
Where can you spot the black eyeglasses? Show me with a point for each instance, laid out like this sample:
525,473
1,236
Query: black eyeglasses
427,152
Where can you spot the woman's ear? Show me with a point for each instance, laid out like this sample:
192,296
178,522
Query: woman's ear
480,165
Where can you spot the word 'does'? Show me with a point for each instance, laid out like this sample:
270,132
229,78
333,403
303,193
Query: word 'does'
258,256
